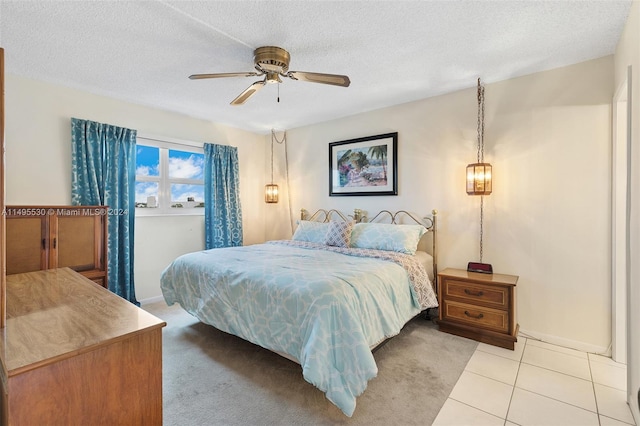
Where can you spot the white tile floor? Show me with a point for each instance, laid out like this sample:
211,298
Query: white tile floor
537,384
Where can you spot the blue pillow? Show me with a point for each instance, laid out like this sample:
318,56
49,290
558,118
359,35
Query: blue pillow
313,232
383,236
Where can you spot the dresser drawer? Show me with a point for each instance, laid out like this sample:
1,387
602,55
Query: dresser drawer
497,297
477,316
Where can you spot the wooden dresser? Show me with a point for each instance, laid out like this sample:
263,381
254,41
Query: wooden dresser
48,237
478,306
74,353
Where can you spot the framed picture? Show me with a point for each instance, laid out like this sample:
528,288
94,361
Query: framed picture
364,166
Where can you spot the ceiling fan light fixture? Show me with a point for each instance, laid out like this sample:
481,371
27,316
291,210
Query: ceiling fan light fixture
273,63
273,77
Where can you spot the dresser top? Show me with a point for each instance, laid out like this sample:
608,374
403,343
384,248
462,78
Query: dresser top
58,313
479,277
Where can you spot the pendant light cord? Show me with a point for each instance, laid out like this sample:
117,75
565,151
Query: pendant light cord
286,168
481,224
480,122
481,154
271,158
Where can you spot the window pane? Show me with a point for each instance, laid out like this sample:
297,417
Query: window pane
183,195
146,194
147,161
187,165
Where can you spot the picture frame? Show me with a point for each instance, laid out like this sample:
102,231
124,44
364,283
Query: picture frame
364,166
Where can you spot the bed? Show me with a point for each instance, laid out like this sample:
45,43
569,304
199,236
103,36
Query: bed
324,299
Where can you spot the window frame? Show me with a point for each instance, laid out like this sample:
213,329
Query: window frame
163,179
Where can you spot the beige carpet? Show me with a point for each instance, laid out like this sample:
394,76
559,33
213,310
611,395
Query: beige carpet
213,378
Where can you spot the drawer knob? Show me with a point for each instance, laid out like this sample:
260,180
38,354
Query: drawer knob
473,293
479,316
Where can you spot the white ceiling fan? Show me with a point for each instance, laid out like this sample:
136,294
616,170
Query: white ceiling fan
273,63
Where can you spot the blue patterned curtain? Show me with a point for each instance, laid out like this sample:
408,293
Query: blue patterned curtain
222,212
103,173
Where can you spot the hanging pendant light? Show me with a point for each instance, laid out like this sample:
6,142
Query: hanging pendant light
271,189
271,193
479,181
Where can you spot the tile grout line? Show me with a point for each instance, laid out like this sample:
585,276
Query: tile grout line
593,384
520,362
573,355
610,363
513,388
498,355
476,408
537,339
559,372
558,400
490,378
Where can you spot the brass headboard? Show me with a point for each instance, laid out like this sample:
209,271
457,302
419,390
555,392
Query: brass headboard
429,222
322,215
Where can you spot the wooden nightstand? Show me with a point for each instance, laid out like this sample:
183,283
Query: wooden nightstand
478,306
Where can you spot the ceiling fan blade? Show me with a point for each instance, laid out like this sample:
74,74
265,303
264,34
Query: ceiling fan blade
314,77
222,75
250,91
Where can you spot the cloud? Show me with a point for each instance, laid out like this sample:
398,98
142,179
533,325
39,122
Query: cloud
181,192
144,190
147,171
187,168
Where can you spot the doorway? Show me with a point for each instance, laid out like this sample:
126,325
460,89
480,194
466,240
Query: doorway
620,218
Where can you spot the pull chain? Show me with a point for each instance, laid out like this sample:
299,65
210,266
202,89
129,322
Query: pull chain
278,92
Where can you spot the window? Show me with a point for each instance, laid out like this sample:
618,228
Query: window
169,178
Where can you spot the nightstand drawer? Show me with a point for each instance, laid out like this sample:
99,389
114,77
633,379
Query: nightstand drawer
497,297
477,316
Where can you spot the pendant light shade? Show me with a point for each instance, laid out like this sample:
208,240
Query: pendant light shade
479,179
271,193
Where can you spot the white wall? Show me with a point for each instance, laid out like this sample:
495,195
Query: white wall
548,138
38,165
628,53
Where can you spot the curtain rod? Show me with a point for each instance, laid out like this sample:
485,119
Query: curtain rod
170,140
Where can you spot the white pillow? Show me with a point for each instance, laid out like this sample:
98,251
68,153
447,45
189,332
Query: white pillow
313,232
383,236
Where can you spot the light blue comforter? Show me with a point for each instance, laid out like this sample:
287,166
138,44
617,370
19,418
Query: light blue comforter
321,307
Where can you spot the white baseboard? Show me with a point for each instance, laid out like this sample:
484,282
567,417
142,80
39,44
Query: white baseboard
151,300
567,343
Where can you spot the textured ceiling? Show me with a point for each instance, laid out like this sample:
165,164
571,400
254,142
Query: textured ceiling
393,51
